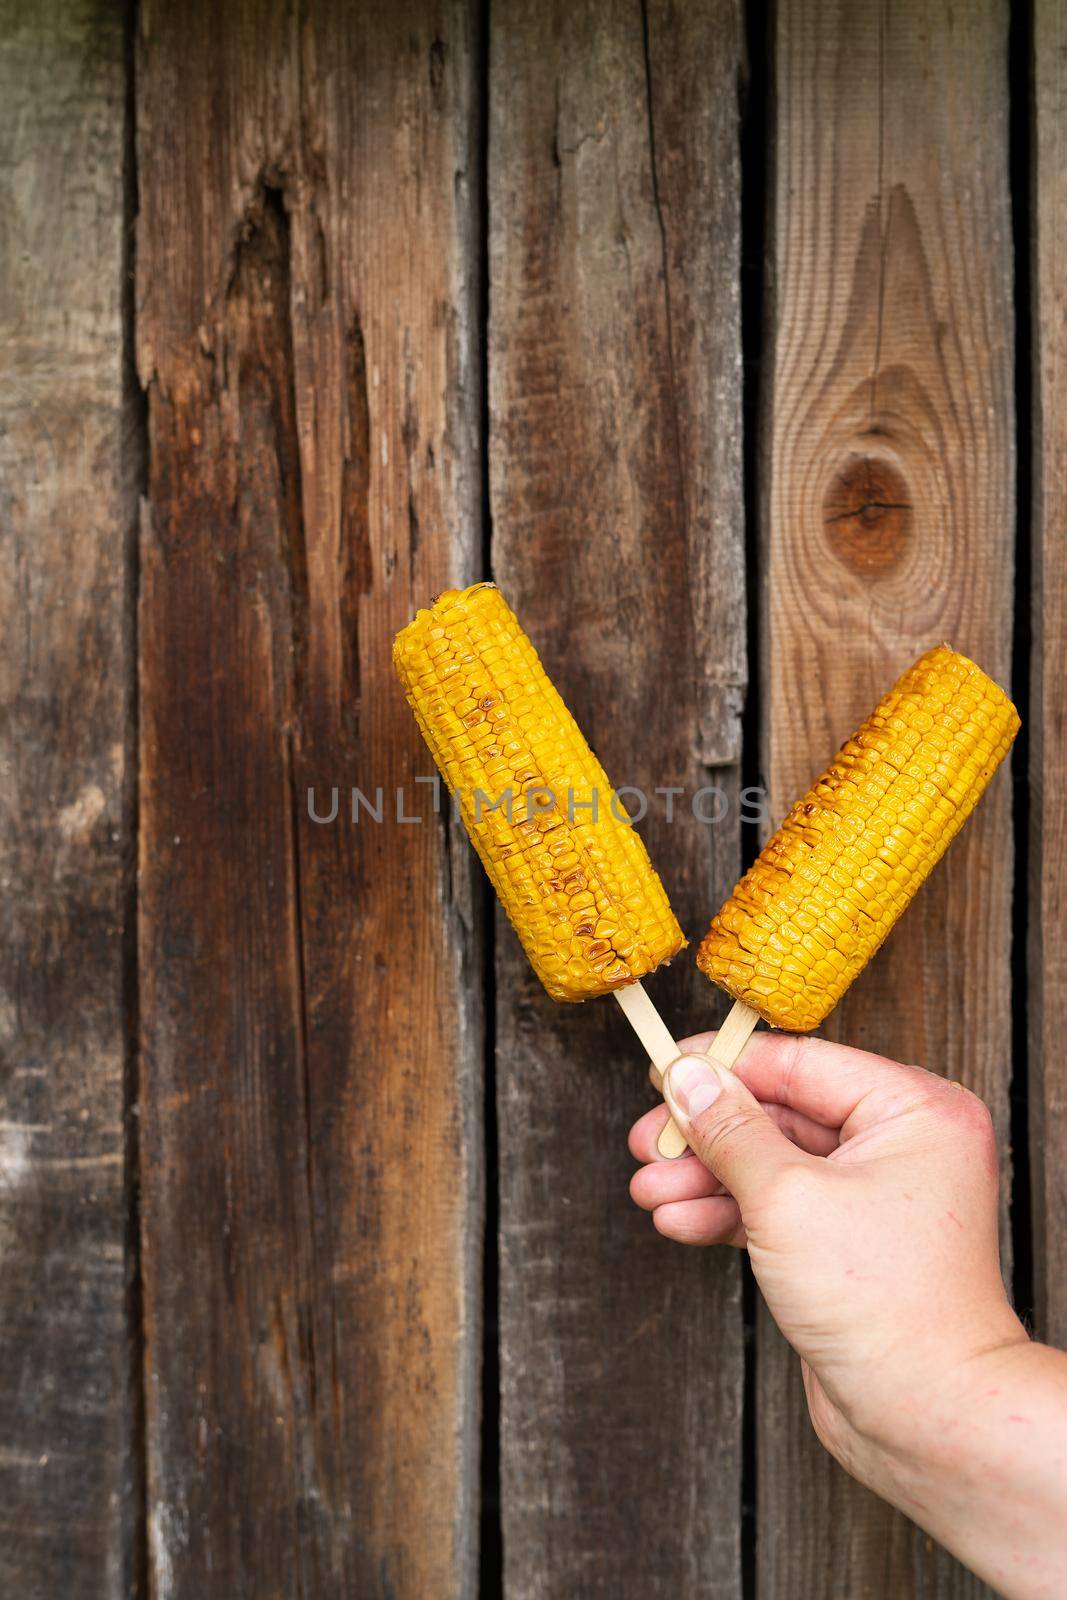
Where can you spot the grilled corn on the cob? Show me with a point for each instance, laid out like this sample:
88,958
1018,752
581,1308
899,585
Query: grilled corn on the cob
830,884
572,875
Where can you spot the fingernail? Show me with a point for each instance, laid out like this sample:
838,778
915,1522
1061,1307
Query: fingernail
693,1084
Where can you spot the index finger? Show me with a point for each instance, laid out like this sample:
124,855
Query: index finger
821,1079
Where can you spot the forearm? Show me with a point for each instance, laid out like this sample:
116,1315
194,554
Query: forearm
984,1470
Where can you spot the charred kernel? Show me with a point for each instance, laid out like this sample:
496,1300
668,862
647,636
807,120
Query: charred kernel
854,850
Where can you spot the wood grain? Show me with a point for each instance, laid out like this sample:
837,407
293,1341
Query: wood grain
311,1006
617,534
1048,739
67,1496
888,526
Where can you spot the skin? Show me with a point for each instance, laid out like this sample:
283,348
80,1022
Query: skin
866,1195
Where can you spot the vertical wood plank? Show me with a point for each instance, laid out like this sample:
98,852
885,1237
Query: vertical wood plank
888,526
617,533
65,518
1048,797
311,1017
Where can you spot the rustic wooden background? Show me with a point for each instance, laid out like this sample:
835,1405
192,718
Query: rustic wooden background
730,344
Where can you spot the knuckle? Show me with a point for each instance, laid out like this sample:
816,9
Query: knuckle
725,1130
978,1114
965,1115
965,1103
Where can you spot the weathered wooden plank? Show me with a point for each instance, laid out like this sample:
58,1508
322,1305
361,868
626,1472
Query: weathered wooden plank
1048,739
616,499
888,526
311,1020
66,1506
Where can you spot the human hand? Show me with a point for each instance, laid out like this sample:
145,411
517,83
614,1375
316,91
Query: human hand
866,1194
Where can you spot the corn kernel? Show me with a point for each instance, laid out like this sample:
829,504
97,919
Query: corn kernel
583,897
855,850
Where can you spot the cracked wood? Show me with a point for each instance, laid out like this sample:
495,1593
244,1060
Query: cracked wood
887,513
615,393
310,1010
68,1411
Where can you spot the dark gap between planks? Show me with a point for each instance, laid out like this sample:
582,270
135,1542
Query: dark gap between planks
1020,146
135,449
491,1545
754,130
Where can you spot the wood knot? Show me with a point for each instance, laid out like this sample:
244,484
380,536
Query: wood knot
868,516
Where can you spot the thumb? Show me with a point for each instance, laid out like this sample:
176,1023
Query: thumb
727,1127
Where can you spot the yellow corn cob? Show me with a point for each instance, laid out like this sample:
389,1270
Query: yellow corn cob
830,884
582,894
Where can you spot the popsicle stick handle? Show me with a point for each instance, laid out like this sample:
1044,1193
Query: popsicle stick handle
725,1049
658,1040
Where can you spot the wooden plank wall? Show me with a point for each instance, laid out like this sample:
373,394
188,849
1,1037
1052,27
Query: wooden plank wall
310,994
888,523
67,1522
614,389
1048,748
335,397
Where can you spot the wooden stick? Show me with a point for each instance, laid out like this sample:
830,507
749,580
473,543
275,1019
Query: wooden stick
657,1039
725,1049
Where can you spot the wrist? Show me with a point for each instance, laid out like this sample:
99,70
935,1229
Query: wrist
910,1412
983,1472
927,1439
